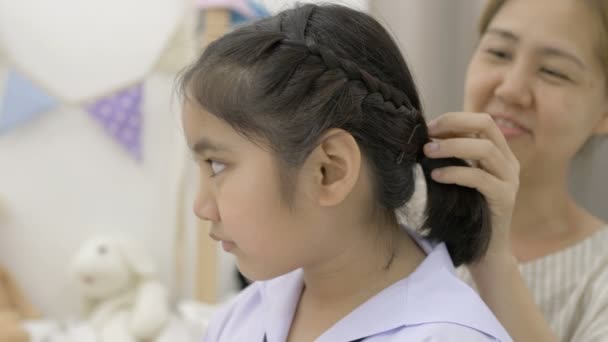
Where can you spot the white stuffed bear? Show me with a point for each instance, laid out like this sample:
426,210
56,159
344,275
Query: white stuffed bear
122,297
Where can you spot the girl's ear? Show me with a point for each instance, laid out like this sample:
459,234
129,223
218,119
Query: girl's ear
335,165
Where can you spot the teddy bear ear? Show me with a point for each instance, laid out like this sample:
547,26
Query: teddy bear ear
140,262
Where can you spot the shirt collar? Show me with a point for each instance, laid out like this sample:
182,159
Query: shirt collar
404,303
280,297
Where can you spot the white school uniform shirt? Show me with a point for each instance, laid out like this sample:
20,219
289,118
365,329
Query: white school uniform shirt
431,304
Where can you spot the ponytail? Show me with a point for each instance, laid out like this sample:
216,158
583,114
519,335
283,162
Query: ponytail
456,215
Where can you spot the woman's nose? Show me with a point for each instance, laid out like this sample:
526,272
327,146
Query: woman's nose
514,88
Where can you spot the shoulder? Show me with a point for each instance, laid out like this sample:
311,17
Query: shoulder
596,276
441,332
595,289
591,311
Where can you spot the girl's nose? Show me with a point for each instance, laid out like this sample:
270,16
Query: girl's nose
205,207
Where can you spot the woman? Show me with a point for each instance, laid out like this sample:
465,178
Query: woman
540,72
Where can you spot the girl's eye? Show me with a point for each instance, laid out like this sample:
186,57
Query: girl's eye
216,167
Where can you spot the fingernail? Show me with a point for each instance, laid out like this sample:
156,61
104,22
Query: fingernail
436,174
432,125
431,147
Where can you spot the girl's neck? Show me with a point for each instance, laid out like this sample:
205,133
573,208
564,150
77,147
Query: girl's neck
361,270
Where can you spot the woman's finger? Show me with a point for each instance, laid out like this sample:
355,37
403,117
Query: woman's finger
456,124
492,188
482,151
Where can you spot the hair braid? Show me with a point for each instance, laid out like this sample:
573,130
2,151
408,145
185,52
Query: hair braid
395,101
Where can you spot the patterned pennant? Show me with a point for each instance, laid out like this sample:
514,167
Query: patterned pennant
23,101
121,116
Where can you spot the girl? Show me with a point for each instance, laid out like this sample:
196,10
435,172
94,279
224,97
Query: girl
297,124
540,71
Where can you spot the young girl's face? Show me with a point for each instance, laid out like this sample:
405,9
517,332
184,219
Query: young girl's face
240,194
537,72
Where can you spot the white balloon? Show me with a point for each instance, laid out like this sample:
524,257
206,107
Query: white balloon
82,49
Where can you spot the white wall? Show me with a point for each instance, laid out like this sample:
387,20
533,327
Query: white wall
588,179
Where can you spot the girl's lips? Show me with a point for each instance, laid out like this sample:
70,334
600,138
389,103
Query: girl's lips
226,245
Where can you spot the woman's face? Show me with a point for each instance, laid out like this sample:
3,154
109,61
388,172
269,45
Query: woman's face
536,70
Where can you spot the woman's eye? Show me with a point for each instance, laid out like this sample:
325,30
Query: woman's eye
500,54
216,167
555,73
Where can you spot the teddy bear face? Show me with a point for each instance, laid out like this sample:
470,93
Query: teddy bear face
101,270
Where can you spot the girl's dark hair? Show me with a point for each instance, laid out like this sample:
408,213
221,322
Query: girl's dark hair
285,80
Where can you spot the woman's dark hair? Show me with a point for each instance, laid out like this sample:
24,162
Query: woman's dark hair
285,80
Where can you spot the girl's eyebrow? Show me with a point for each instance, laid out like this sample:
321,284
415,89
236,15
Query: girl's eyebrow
205,145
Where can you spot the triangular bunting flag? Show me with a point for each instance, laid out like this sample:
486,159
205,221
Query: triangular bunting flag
121,116
23,101
241,6
258,11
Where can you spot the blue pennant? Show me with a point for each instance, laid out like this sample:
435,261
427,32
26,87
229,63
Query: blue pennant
22,102
260,11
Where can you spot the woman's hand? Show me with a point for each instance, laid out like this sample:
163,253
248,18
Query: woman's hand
476,137
495,174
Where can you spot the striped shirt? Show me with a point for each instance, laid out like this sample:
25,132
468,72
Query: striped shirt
571,288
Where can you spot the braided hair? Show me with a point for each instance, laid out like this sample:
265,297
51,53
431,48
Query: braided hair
284,81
